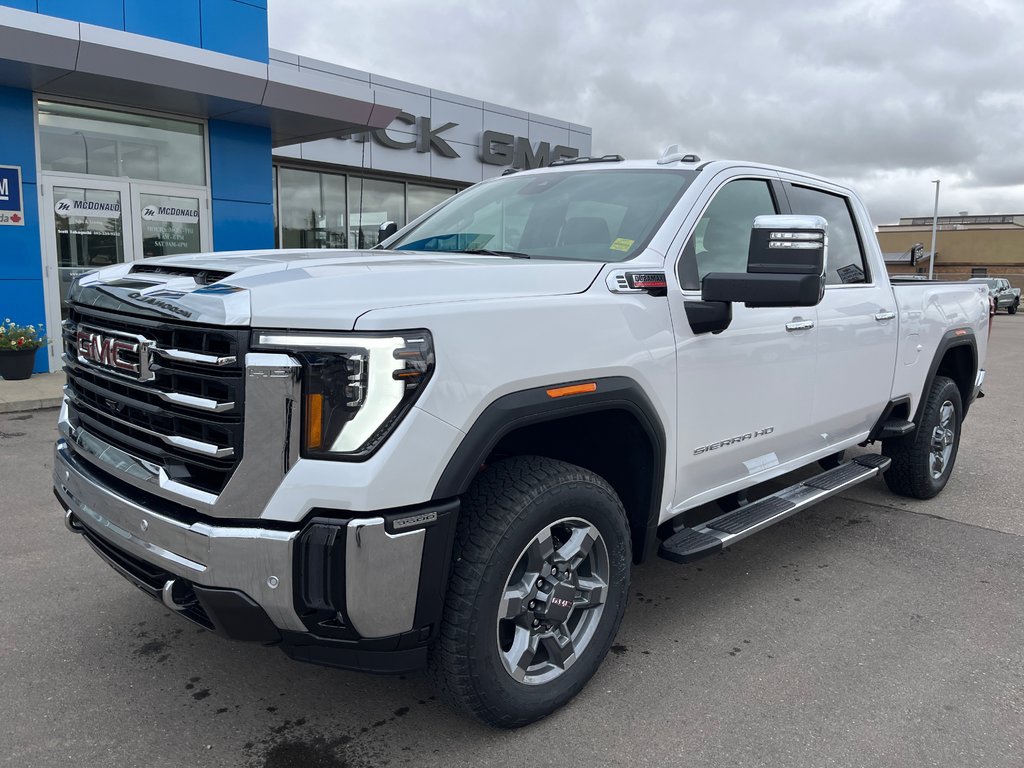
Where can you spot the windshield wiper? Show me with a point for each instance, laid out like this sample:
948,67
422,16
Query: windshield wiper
490,252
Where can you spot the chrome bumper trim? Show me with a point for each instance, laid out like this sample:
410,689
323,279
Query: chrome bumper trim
247,559
382,577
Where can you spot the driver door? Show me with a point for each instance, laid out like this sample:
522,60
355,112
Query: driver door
745,395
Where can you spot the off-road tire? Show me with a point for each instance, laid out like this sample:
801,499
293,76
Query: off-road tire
911,470
505,508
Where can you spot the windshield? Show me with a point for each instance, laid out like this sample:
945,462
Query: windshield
589,215
987,281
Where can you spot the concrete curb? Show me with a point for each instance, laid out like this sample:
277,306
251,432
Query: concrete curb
30,405
45,390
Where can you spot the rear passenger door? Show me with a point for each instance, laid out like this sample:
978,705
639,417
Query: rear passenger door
857,322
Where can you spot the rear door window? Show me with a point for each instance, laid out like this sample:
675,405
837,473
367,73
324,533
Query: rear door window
846,263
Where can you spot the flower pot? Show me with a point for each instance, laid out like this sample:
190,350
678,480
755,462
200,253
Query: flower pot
17,366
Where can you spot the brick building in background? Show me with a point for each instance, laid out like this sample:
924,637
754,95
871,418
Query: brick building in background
967,246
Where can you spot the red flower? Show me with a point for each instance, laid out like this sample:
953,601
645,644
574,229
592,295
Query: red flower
21,341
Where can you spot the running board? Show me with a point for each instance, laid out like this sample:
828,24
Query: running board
694,543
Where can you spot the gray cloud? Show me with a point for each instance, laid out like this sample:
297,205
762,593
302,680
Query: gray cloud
883,94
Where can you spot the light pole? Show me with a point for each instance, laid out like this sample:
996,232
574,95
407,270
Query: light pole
935,227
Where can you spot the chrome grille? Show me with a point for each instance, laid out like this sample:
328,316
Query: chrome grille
187,419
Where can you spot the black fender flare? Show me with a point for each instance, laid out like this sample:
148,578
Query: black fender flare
535,405
957,337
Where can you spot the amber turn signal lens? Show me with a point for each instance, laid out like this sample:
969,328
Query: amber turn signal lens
573,389
314,421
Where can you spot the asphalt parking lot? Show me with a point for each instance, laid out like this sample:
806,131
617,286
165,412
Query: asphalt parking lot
870,631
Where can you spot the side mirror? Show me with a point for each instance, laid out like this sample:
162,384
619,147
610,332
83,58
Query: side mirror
387,229
785,265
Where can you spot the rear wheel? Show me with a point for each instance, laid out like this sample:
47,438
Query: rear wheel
923,460
538,589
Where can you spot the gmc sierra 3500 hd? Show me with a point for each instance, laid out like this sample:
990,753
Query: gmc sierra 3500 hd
447,452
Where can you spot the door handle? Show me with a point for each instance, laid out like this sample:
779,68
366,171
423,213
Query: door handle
800,325
883,316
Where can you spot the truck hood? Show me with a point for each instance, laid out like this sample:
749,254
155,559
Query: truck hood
318,289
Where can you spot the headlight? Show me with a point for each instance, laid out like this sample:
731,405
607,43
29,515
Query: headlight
355,388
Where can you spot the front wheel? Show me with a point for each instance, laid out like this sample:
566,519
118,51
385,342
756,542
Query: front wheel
537,592
923,460
1012,309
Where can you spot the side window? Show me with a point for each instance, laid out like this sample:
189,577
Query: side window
721,239
845,256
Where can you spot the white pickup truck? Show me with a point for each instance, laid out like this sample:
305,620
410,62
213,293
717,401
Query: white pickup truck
449,451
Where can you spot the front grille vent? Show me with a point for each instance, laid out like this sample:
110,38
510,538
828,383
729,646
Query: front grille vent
187,418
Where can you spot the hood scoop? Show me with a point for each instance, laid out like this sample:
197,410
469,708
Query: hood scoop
199,275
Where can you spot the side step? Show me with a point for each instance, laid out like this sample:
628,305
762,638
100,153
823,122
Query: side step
895,428
694,543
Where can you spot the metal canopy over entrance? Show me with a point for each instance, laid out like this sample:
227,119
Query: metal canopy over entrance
66,58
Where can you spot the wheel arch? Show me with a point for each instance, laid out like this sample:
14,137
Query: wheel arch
957,358
570,428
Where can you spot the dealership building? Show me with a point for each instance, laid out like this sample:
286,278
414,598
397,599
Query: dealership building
131,129
978,245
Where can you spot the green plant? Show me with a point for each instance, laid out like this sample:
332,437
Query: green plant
17,338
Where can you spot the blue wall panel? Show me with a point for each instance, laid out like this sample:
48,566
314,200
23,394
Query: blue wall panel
21,272
105,13
237,28
177,21
19,246
240,162
240,226
17,129
241,186
23,5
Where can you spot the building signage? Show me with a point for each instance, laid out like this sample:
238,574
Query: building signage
69,207
12,206
170,213
495,148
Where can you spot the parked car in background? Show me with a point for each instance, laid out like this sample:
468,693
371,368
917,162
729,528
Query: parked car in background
999,289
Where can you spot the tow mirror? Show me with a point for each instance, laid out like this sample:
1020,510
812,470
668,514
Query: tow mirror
788,245
387,229
785,265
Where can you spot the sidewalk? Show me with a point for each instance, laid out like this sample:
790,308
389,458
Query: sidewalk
44,390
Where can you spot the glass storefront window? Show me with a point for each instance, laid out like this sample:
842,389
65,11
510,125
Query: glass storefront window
421,199
102,142
314,209
372,202
300,212
333,188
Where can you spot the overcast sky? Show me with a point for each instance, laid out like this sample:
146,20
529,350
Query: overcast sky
883,94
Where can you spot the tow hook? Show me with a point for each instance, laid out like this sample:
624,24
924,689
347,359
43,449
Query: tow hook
71,523
171,600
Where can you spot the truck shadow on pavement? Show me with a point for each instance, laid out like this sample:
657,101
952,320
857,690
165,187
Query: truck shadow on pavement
275,713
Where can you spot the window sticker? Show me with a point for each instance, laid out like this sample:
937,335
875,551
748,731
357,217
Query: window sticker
622,244
851,274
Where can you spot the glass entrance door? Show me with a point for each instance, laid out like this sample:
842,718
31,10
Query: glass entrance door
89,229
169,221
93,223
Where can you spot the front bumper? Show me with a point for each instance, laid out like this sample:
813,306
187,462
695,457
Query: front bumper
368,598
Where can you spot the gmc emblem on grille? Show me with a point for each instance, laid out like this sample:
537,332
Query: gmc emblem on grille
126,355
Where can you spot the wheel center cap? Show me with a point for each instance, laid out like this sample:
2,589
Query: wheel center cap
559,603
